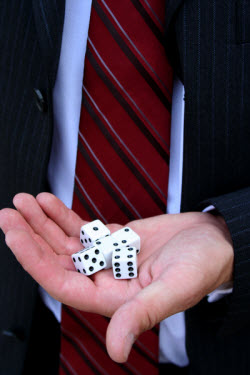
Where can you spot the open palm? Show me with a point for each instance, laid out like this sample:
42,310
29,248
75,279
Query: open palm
183,257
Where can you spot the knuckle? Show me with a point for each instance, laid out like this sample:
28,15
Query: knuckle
147,319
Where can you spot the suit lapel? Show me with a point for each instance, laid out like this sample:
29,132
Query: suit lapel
171,7
49,19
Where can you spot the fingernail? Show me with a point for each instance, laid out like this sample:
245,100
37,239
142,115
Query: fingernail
129,340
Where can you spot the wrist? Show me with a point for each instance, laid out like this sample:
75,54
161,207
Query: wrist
227,248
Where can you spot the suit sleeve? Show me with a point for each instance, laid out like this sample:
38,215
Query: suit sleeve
235,209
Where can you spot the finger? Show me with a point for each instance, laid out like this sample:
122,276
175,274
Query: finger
150,306
64,260
68,287
32,212
65,218
12,219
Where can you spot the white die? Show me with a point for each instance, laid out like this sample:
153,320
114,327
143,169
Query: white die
93,231
89,261
107,245
127,237
124,263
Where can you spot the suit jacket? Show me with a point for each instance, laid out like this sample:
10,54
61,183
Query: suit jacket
208,43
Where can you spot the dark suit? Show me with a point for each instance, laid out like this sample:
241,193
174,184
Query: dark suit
208,43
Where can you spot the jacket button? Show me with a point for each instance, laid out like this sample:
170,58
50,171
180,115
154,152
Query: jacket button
40,101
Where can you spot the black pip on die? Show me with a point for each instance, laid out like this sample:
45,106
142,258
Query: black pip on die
107,245
127,237
103,251
93,231
124,263
89,261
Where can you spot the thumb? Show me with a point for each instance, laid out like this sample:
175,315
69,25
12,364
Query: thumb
150,306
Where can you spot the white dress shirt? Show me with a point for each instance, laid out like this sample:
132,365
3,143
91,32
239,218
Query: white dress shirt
67,97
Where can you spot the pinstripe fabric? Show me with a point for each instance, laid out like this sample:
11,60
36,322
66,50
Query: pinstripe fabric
123,156
218,108
237,216
210,36
49,16
24,152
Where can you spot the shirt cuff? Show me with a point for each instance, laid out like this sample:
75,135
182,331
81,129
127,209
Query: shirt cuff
223,289
220,292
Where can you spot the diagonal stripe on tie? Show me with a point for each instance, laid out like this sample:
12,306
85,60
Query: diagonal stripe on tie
116,87
92,330
66,366
131,56
106,183
128,108
83,145
158,33
157,11
122,158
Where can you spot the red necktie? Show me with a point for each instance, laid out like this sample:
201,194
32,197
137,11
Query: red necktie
123,154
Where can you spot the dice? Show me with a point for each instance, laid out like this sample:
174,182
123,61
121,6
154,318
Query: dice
127,237
124,263
93,231
89,261
104,251
107,245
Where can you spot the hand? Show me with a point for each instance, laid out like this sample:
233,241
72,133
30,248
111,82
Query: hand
183,258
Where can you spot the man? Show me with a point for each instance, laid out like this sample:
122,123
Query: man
215,164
